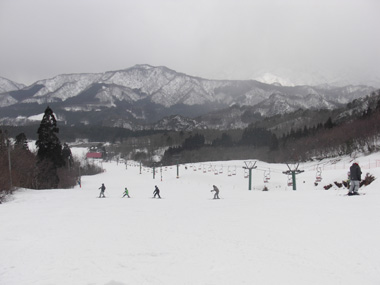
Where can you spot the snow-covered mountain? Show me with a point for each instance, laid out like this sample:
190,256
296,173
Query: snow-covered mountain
145,94
270,78
7,85
296,77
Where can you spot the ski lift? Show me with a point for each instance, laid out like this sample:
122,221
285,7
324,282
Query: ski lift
290,180
266,176
318,177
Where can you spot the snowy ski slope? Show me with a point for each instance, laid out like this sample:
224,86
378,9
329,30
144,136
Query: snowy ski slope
280,236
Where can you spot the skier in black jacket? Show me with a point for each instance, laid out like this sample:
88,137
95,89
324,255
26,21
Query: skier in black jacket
102,189
355,177
156,192
216,190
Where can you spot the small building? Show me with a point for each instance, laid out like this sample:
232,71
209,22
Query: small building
97,152
94,155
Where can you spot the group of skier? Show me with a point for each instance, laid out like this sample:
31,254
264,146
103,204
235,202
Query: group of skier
156,192
354,178
103,188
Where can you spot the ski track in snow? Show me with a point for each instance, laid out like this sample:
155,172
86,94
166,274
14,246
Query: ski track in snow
307,236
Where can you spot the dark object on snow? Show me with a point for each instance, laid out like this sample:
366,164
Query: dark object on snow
327,187
102,189
126,193
355,178
156,192
346,184
368,179
338,184
265,188
355,172
216,190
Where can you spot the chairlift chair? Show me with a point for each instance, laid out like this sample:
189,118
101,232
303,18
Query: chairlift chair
266,176
290,180
229,171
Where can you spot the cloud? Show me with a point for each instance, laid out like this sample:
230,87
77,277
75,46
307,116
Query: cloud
234,39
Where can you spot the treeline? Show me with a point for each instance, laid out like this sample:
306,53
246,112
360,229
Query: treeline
252,137
91,133
360,133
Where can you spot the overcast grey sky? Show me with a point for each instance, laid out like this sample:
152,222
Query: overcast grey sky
215,39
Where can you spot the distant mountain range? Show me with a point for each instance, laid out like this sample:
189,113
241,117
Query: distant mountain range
149,97
7,85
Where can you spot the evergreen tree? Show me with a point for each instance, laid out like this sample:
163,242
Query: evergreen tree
3,140
225,140
378,105
256,137
21,142
67,155
194,142
49,153
329,124
367,113
273,143
48,144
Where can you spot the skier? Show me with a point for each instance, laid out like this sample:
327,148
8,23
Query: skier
347,182
102,189
355,178
216,190
156,192
126,193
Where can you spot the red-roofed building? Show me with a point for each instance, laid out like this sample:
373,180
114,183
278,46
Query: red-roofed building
97,152
94,155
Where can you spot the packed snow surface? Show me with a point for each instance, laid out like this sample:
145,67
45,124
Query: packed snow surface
281,236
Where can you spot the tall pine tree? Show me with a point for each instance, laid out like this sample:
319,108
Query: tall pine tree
49,151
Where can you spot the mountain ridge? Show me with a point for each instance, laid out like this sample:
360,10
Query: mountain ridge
145,94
